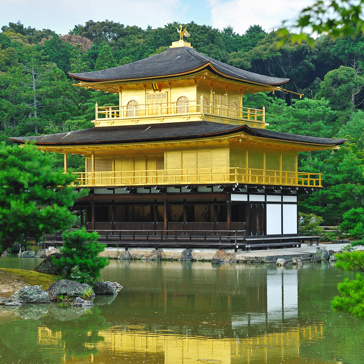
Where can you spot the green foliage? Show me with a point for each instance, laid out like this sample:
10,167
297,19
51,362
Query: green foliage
347,248
340,87
329,236
309,224
87,294
357,243
351,261
344,19
80,260
105,59
35,197
353,222
352,296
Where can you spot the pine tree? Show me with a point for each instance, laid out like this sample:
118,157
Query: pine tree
105,59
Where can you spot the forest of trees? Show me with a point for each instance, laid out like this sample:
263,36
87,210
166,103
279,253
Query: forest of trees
37,96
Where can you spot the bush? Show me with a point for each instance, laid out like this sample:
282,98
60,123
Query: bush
352,291
309,224
353,222
80,260
352,296
351,261
329,236
357,243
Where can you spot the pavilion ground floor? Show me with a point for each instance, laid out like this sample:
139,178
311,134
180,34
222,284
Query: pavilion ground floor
252,210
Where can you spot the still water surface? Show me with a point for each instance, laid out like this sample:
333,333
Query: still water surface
186,313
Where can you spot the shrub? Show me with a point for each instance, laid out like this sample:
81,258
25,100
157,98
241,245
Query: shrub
353,222
351,260
309,224
80,260
352,296
357,243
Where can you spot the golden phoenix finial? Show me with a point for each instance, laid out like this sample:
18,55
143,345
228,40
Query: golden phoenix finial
183,33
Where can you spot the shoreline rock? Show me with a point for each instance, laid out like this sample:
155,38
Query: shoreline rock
69,288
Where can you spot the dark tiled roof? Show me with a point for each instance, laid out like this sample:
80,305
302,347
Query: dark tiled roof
172,62
165,132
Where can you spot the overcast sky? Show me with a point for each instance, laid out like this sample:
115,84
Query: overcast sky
62,15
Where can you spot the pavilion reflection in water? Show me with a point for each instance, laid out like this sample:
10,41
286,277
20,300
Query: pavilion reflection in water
215,341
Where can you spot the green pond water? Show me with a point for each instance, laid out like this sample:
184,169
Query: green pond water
171,312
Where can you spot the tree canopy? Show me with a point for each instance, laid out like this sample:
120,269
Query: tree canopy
35,197
336,18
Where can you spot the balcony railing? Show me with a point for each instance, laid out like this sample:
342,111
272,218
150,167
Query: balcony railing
198,176
174,108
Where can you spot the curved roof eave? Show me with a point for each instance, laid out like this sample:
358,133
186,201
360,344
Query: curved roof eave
175,62
168,132
205,66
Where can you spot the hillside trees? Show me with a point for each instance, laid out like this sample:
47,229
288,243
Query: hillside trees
330,75
105,59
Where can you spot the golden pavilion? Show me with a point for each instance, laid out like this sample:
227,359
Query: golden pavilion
180,151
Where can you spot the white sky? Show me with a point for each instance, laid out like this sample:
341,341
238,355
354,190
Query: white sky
62,15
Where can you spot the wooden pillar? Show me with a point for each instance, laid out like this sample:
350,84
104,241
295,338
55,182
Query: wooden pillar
92,215
280,168
184,215
93,162
247,178
296,169
228,213
155,214
120,102
216,212
165,220
247,218
86,216
65,162
211,98
113,214
264,165
241,104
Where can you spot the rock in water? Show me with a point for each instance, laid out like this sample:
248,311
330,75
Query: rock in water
48,267
297,261
117,286
30,294
68,288
325,254
316,258
103,288
27,254
125,255
219,257
155,255
186,255
281,262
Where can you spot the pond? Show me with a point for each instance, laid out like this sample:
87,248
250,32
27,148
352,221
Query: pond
171,312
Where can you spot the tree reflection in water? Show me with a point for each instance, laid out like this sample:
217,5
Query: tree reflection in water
61,334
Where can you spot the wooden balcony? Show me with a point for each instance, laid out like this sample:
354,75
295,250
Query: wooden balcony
200,176
173,111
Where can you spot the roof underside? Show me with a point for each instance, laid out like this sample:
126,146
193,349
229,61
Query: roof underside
174,61
166,132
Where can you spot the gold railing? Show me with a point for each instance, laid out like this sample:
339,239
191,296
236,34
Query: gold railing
198,176
174,108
